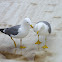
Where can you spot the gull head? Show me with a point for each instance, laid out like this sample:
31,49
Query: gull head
27,22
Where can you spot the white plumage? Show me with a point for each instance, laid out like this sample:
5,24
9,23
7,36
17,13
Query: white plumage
18,31
42,28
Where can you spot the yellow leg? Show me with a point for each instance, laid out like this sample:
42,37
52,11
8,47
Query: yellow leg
38,42
45,46
14,42
22,47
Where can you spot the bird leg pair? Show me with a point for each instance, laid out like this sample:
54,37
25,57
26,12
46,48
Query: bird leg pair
38,42
22,47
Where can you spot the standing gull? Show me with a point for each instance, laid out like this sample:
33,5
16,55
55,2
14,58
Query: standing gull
18,31
42,28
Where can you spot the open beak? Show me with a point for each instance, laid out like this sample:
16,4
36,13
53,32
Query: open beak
37,32
31,26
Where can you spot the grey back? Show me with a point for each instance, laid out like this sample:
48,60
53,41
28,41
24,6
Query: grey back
12,30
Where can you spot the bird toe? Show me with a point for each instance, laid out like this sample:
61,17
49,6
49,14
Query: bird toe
45,46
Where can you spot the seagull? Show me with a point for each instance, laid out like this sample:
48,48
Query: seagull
18,31
42,28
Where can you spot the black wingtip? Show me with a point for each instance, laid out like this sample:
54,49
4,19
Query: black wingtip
2,30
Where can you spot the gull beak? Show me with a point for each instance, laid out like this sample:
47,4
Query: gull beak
37,32
31,26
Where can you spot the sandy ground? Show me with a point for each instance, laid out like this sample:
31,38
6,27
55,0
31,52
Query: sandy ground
13,13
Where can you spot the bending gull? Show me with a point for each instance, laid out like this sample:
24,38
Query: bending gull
42,28
18,31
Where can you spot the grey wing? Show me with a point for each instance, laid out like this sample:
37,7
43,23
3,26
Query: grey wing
49,30
12,31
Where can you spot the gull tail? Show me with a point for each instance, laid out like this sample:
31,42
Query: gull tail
2,30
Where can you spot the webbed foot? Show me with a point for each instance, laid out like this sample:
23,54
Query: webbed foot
22,47
45,46
38,42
